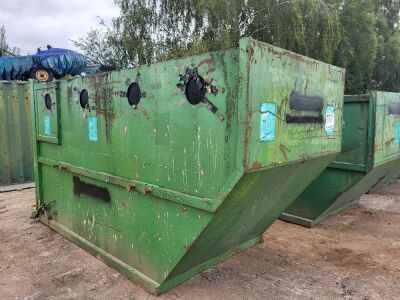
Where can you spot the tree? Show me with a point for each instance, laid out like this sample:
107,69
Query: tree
361,36
102,46
149,31
386,73
308,27
387,69
5,48
358,46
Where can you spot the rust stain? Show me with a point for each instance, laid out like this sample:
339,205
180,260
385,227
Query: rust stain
363,97
256,166
205,62
189,247
294,56
283,150
147,190
387,142
284,103
303,158
223,197
250,52
211,69
131,187
70,95
103,98
69,92
144,111
65,168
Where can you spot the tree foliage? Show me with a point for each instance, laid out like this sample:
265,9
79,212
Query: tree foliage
5,48
362,36
386,74
358,44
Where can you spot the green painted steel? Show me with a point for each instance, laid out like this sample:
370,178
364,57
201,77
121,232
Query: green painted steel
16,155
370,158
390,178
163,189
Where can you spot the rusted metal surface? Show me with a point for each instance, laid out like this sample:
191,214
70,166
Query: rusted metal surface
179,148
16,156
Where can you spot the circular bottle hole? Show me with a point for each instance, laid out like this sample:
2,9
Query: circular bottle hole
134,94
47,101
84,99
195,90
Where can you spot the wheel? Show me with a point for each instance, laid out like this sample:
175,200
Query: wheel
41,74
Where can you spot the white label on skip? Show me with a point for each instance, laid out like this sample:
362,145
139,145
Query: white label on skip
329,119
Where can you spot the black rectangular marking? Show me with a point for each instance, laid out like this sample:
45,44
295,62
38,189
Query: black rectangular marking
299,102
88,189
303,119
394,108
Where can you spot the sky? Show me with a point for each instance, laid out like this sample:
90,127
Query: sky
36,23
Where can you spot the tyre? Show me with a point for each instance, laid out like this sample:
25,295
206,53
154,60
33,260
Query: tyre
41,74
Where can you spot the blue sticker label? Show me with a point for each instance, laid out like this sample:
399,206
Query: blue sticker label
329,120
47,126
267,125
397,134
92,128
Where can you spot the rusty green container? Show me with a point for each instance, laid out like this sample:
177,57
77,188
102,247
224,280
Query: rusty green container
165,170
16,155
370,157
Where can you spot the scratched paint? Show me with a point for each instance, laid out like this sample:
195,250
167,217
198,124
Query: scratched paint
182,193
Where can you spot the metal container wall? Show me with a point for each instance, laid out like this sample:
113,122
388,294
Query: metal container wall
370,158
16,155
160,188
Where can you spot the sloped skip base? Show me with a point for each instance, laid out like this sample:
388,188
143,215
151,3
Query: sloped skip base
251,207
392,177
134,275
334,191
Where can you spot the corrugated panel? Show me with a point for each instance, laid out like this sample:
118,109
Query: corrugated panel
16,158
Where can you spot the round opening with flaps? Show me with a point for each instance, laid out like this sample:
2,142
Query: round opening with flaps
47,101
195,90
134,94
84,99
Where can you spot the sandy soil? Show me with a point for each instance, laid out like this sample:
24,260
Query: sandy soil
354,255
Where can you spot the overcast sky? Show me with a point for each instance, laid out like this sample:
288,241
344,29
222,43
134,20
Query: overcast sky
34,23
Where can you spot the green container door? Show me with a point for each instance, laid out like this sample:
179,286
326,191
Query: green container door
164,170
16,156
370,157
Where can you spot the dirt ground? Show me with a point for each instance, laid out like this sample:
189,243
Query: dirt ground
354,255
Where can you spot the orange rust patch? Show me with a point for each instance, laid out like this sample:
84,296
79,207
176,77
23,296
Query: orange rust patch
131,187
189,247
256,165
294,56
205,62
